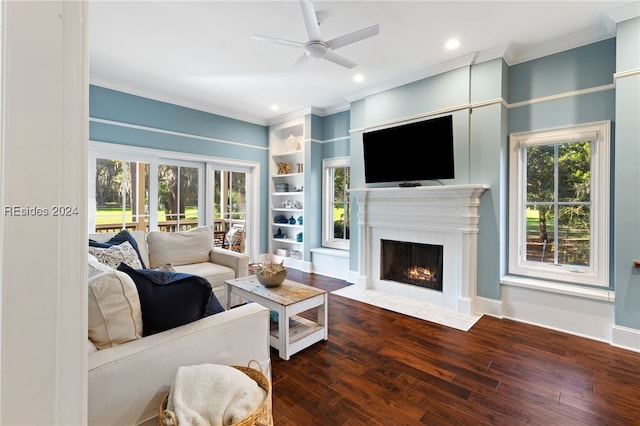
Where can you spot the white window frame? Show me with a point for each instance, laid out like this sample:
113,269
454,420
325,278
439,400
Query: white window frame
327,202
597,274
156,156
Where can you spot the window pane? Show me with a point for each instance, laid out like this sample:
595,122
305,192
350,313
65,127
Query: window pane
238,199
540,176
338,184
177,198
574,171
574,240
229,199
167,195
217,213
338,220
188,198
340,202
108,193
122,190
540,231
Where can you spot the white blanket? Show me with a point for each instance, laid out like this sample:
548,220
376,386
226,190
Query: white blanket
213,395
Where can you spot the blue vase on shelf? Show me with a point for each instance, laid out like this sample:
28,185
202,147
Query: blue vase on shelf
299,220
292,220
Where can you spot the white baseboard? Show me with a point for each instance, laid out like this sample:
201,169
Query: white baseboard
353,277
492,307
581,316
626,338
331,263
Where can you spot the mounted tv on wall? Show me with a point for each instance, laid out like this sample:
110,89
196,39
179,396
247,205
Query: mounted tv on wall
410,152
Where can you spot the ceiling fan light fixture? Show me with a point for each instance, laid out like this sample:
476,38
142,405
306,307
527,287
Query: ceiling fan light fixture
316,49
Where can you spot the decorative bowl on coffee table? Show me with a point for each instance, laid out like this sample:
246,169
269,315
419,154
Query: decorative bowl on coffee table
272,280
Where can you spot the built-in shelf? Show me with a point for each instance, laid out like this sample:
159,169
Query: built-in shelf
287,145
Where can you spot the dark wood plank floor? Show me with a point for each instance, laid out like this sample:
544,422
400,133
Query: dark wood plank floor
383,368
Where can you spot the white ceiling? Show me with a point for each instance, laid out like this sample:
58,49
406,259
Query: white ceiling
200,54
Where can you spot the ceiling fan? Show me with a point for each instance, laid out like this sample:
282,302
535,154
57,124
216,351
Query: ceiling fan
316,47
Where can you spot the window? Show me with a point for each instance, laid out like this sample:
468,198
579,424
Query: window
148,190
229,198
121,194
559,211
178,196
336,207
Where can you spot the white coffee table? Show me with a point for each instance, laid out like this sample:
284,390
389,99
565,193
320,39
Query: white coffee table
292,333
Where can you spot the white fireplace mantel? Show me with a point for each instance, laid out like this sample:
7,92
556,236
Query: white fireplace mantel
444,215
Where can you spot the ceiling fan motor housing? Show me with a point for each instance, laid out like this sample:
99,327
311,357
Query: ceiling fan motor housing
316,49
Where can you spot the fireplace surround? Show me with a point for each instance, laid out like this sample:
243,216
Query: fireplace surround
444,216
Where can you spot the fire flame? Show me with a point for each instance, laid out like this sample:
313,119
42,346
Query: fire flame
420,274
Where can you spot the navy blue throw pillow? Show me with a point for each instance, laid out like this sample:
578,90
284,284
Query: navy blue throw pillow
118,239
171,299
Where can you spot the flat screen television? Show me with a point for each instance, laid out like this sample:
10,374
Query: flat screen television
410,152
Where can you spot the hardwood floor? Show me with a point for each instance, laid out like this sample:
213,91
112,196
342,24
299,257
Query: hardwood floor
383,368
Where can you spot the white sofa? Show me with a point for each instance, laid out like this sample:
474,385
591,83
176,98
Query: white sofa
127,382
127,378
191,252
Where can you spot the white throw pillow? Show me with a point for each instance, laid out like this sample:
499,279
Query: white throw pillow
116,254
180,248
115,316
95,267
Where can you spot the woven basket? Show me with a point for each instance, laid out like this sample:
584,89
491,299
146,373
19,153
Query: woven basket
261,417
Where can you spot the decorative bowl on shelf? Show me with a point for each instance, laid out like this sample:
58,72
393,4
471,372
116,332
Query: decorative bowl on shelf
272,280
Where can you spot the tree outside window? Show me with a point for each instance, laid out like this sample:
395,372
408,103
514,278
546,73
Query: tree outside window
559,204
336,203
122,195
177,197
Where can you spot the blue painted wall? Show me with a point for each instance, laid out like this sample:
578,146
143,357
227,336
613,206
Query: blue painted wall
626,214
488,101
497,100
133,120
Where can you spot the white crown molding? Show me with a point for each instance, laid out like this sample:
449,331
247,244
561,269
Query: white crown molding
560,45
623,13
436,69
290,116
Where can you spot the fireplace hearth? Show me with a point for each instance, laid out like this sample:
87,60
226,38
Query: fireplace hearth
411,263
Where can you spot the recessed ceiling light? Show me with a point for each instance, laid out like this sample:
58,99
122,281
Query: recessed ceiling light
453,43
358,78
275,107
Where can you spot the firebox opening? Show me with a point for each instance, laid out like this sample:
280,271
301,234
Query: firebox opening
411,263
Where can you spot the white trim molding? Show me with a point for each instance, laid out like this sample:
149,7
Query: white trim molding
590,317
626,338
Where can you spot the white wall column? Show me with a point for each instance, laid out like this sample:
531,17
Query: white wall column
43,255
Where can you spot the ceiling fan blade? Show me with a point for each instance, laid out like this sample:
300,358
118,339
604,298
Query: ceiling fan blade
310,20
347,39
339,59
278,40
300,61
